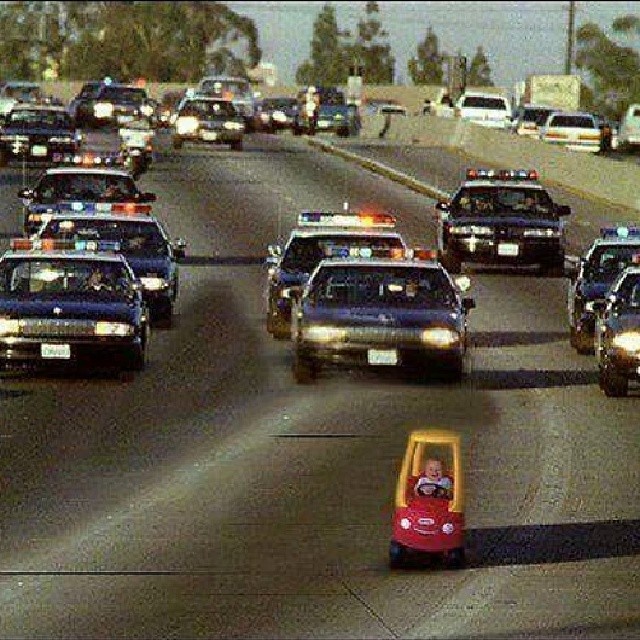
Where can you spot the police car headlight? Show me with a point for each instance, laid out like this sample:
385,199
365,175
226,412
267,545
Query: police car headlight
405,523
588,306
186,125
146,110
541,233
471,229
103,110
440,337
279,116
61,139
233,126
154,283
8,138
323,334
627,341
9,327
113,329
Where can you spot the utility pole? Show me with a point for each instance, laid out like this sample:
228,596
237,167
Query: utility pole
570,28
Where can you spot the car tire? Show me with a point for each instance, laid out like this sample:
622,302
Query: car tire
451,261
237,145
456,558
397,555
612,383
303,370
553,269
584,344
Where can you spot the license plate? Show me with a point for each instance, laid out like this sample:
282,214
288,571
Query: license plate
209,135
124,118
38,150
507,249
382,356
56,351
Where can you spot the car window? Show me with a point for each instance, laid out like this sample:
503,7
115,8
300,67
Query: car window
482,102
507,200
123,94
383,286
575,122
208,109
85,186
39,118
606,262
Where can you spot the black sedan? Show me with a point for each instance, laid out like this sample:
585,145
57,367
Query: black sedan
381,313
38,133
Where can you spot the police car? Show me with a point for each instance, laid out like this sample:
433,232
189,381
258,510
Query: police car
616,249
65,304
502,217
142,240
381,312
79,186
618,334
322,234
38,133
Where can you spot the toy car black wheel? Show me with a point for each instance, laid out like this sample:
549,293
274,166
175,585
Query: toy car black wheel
456,558
397,555
304,370
613,383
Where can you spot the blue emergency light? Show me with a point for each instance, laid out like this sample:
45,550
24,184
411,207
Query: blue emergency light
57,244
502,174
620,232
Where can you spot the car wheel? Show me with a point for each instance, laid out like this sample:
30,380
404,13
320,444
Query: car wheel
583,343
237,145
397,555
451,262
612,383
453,372
303,370
455,558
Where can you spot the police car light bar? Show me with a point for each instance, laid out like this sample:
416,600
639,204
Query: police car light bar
502,174
55,244
362,220
106,159
126,208
620,232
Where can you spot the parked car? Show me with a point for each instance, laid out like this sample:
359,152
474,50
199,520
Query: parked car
629,132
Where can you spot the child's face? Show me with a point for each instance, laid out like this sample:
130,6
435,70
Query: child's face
433,469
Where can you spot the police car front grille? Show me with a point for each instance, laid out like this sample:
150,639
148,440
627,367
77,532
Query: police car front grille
56,328
382,335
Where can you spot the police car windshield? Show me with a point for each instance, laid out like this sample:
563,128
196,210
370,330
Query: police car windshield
220,87
303,254
87,187
507,201
54,277
39,119
23,93
606,262
628,292
136,238
383,286
208,109
123,94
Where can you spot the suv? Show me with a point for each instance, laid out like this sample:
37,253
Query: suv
502,217
236,89
486,109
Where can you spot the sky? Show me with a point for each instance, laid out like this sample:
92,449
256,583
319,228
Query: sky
518,38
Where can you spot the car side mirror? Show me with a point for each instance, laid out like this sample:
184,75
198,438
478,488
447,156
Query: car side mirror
179,248
563,210
27,194
147,196
468,304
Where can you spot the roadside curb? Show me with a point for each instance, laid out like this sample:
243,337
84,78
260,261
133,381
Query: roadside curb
381,169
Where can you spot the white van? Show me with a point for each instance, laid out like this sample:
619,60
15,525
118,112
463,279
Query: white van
629,131
486,109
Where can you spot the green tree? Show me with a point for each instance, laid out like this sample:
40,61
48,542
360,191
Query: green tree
161,41
613,70
479,73
371,50
426,66
327,64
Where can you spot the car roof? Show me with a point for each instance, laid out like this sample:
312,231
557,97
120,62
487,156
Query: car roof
101,256
59,215
88,170
343,233
610,242
379,262
39,107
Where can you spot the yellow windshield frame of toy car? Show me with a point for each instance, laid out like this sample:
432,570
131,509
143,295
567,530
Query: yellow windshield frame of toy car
411,464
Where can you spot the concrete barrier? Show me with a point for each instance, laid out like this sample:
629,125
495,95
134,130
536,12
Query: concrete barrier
596,177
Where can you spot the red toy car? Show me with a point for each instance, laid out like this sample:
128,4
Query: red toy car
429,524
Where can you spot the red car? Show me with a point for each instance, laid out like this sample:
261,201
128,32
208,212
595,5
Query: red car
429,524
